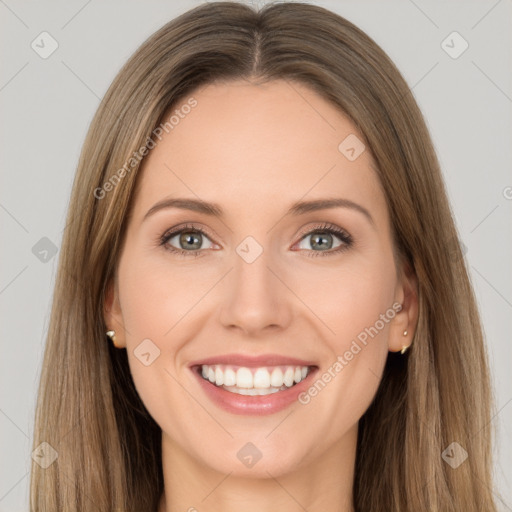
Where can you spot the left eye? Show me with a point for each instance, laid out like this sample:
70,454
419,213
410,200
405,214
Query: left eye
323,239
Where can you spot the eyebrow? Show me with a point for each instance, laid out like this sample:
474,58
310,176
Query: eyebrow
297,208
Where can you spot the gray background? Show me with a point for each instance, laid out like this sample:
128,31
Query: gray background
47,105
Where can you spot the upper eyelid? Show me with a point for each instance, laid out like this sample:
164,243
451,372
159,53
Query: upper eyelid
324,226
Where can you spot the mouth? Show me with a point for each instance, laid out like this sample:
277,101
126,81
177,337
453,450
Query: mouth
253,385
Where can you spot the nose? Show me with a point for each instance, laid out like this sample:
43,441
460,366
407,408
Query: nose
256,300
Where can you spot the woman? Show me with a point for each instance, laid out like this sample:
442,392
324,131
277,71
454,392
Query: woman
245,372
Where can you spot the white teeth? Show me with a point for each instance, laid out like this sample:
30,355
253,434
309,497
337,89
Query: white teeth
253,391
229,377
243,378
288,376
265,379
219,377
276,379
261,378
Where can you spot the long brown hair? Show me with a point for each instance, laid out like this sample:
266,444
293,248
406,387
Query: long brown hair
108,446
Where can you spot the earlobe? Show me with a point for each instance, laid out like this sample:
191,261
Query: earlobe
113,315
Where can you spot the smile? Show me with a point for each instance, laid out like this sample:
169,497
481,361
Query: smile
253,390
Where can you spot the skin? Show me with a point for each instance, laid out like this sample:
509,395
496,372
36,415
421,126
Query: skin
254,150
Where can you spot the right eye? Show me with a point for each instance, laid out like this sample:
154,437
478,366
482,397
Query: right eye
187,240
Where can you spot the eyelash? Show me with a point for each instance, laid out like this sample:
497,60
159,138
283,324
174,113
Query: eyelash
346,239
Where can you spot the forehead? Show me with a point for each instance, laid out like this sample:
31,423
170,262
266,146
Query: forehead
249,145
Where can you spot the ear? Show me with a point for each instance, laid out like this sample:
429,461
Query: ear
112,313
406,319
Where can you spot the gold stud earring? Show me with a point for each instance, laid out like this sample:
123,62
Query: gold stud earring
112,336
404,347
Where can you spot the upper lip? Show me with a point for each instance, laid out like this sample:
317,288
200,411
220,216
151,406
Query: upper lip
253,361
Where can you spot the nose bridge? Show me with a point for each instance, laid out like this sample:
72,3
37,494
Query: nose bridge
255,298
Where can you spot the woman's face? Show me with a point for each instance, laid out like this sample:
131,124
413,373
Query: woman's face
256,279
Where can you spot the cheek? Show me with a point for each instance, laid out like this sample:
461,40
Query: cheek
163,306
358,309
153,301
158,291
348,296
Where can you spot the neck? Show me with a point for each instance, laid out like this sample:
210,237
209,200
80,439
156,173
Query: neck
323,484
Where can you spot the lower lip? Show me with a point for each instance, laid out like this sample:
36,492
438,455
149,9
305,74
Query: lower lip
258,405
